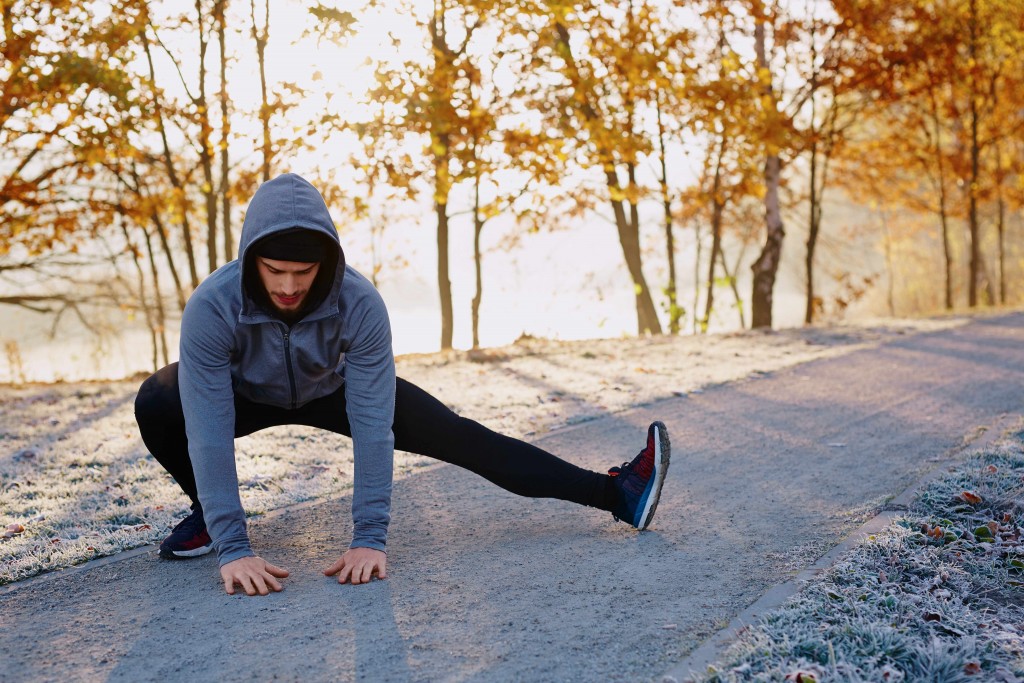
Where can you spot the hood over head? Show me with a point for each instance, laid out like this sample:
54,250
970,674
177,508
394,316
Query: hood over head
283,205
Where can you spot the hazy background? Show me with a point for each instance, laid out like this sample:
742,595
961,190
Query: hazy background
902,123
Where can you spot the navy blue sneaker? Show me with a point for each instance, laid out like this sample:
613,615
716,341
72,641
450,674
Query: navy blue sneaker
188,539
639,482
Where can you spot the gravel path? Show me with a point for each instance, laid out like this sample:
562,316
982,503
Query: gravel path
767,474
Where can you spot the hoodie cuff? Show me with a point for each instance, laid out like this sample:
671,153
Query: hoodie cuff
235,551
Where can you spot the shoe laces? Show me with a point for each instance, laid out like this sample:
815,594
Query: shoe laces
641,466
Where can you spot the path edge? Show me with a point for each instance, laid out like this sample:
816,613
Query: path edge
711,650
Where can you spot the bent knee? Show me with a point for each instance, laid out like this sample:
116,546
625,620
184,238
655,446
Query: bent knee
158,396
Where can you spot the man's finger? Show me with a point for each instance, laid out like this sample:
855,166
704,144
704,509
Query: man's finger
335,568
260,585
229,585
343,575
246,583
382,570
274,570
367,573
273,584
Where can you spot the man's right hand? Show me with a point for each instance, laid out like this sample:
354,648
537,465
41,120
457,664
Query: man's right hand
253,574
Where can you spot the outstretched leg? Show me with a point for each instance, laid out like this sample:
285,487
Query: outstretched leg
426,426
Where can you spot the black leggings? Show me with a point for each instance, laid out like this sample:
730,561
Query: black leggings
422,425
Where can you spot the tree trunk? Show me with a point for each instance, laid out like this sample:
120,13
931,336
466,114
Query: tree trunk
478,226
767,264
161,316
698,248
731,277
675,313
147,312
890,269
812,237
717,211
814,219
813,199
166,247
972,188
206,146
628,227
161,232
629,239
647,314
262,37
180,194
225,133
444,284
947,247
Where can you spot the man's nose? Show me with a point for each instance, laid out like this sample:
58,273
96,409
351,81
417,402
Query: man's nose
289,285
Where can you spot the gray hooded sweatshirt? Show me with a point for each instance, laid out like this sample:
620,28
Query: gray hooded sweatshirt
229,345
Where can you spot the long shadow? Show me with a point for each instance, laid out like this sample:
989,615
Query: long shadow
109,408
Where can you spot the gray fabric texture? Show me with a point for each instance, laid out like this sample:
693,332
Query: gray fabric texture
229,345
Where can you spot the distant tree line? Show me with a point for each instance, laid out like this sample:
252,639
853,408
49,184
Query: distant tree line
730,119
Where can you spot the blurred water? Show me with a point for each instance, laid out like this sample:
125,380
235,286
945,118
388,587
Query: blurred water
566,285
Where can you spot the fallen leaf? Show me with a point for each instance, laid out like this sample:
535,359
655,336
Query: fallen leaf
991,469
972,668
802,677
932,616
970,497
15,529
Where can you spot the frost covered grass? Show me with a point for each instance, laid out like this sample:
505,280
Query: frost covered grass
936,596
77,483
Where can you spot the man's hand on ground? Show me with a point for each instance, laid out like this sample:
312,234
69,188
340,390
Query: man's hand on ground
358,565
253,574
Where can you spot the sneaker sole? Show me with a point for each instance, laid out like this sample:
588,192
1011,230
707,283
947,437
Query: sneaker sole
185,554
661,461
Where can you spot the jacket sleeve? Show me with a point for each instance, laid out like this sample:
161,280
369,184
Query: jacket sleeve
207,398
370,401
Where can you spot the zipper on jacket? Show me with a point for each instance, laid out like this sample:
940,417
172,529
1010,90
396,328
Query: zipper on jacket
288,364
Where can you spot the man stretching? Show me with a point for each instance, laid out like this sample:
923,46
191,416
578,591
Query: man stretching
289,334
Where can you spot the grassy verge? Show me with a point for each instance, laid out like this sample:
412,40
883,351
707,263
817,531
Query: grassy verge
937,596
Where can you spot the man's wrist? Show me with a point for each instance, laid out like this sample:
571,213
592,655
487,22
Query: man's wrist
232,556
368,544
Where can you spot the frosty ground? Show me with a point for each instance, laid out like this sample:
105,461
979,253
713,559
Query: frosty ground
783,444
76,477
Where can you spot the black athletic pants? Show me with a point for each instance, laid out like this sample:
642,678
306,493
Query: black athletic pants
422,425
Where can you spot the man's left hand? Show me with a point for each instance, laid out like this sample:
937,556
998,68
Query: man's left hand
358,565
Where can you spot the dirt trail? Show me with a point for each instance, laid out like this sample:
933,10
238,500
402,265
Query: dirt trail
767,474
